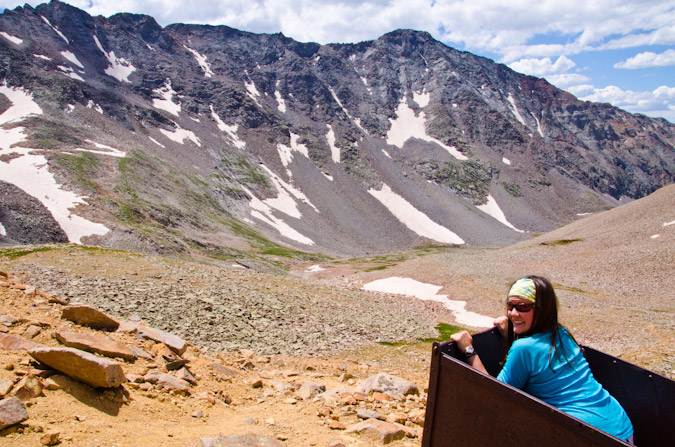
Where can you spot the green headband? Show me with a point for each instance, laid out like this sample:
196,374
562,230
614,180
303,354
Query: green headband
524,288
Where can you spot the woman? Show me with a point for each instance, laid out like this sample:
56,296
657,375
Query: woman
545,361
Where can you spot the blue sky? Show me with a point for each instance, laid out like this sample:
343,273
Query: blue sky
616,51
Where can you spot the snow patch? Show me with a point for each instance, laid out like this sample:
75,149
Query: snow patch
281,103
667,224
179,135
412,218
286,153
429,292
3,232
42,56
288,194
421,99
165,102
386,153
230,130
30,172
314,269
334,150
492,209
344,109
201,60
156,142
92,105
107,150
68,71
56,30
506,161
539,131
514,109
119,68
72,58
263,212
407,125
13,39
654,236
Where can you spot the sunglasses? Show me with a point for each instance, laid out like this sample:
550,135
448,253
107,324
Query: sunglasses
520,307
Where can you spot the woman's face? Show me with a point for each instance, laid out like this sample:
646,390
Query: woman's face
522,321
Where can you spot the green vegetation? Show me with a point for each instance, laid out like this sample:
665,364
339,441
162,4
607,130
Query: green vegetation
470,179
82,166
444,332
14,253
513,189
244,170
267,247
45,134
569,289
559,242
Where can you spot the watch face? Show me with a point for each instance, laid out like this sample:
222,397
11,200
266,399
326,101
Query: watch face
469,351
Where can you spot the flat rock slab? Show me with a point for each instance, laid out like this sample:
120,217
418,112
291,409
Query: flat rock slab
13,343
388,384
166,381
88,316
239,441
12,411
81,366
174,342
95,343
377,430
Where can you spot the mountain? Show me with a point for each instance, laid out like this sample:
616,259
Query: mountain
207,139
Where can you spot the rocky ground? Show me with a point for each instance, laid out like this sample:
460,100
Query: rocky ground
324,336
261,346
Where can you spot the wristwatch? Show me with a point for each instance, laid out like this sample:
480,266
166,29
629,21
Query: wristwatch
469,351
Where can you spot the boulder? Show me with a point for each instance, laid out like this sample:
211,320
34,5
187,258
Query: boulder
174,342
310,389
94,343
167,381
88,316
28,388
5,387
81,366
377,430
388,384
12,411
13,343
249,440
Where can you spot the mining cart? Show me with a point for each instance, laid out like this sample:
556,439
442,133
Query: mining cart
466,407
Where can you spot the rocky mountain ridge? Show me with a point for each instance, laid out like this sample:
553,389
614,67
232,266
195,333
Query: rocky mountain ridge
206,139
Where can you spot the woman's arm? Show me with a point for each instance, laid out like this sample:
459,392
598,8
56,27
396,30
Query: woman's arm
464,340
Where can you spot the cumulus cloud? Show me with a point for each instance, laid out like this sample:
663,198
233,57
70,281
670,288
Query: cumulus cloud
649,59
543,67
660,102
538,37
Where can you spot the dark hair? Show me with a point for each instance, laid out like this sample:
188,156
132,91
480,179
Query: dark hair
545,318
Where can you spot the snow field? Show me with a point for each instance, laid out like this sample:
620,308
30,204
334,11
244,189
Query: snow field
407,125
30,172
429,292
412,218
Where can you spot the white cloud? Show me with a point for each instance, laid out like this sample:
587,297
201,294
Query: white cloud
543,67
649,59
659,102
538,37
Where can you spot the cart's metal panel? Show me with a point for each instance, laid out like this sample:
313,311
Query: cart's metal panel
466,408
648,398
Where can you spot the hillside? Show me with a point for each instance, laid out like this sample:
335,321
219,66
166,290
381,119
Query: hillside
613,277
196,140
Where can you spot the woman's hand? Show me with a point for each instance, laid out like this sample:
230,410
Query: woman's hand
502,323
462,339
